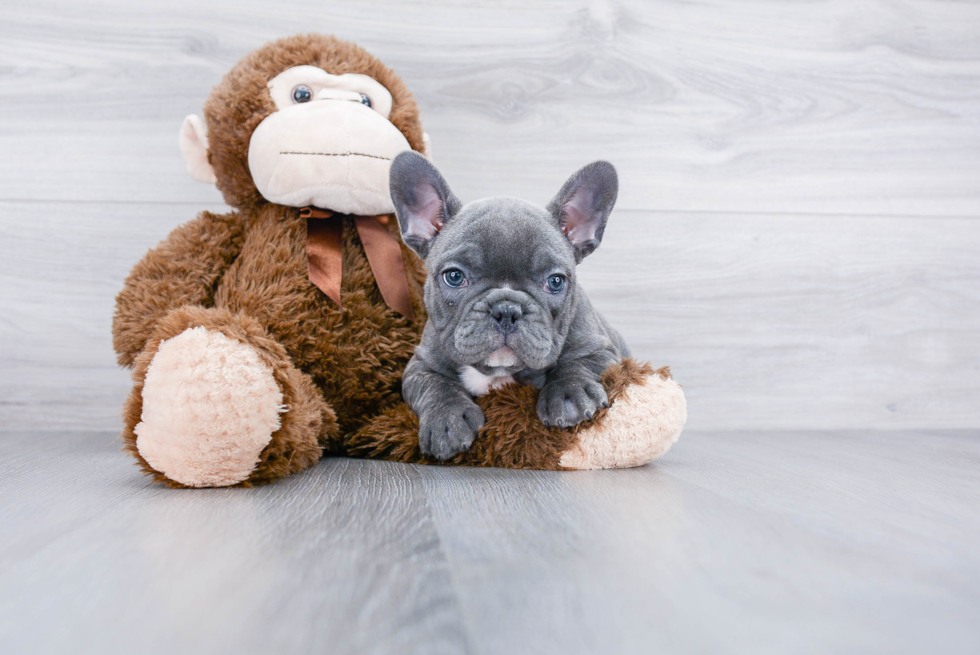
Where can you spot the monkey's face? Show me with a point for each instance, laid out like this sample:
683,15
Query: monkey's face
328,144
305,120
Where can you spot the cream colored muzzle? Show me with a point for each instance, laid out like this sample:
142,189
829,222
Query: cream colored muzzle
333,153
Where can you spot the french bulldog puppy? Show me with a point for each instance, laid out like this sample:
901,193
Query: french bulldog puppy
503,301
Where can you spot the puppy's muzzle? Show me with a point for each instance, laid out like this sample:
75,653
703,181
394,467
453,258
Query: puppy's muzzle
506,313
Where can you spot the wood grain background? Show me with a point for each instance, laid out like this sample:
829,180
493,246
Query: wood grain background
797,234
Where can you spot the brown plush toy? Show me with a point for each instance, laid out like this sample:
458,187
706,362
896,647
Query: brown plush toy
263,338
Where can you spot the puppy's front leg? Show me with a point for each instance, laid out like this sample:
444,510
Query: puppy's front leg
448,417
571,394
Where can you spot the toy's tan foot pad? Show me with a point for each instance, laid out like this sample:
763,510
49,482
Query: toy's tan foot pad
643,422
210,407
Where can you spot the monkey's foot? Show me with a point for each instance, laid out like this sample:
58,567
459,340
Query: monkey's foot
642,423
210,407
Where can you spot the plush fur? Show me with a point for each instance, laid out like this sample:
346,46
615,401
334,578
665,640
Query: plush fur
242,100
307,427
226,300
210,407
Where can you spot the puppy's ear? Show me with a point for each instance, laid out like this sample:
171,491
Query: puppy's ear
583,205
423,201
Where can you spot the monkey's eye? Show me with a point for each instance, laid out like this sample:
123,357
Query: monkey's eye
365,100
454,277
302,93
556,283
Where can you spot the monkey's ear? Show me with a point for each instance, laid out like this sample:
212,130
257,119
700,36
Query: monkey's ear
583,205
194,147
423,201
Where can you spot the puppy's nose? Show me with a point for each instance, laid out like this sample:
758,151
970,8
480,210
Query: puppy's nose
506,313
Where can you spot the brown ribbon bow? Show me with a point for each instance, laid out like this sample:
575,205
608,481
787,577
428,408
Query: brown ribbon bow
324,255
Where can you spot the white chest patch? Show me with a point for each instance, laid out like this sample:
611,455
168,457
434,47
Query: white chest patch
478,384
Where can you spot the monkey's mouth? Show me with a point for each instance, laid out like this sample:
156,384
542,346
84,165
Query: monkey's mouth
333,154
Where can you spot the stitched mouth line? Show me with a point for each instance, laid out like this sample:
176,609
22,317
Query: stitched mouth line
334,154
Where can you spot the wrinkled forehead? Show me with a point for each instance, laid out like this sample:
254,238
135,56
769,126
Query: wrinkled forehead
504,237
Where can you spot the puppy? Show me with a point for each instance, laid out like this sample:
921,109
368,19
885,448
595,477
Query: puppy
503,301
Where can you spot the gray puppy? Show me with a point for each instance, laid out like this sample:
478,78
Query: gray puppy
503,301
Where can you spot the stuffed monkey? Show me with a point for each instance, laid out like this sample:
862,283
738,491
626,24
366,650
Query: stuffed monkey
263,338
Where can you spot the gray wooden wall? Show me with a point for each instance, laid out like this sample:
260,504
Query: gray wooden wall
798,233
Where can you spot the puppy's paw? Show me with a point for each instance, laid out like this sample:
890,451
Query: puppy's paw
569,401
450,428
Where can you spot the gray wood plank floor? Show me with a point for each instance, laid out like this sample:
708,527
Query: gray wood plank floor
736,542
798,236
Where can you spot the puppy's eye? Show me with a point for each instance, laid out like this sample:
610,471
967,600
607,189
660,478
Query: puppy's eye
365,100
556,283
454,277
302,93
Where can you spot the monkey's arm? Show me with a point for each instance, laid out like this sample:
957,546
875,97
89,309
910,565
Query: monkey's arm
182,270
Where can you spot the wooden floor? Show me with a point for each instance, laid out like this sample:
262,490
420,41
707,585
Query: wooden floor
797,236
736,542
